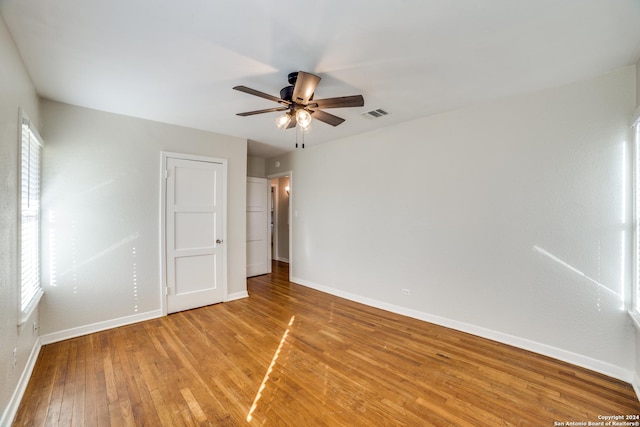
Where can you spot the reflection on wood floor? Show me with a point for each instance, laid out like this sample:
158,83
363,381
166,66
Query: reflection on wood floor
292,356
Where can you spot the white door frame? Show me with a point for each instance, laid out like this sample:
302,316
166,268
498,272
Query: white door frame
291,217
164,156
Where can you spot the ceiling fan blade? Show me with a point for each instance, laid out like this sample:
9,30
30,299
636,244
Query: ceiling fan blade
339,102
305,86
326,117
261,94
268,110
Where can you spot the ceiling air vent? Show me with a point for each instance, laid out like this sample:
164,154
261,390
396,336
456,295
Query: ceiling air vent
374,114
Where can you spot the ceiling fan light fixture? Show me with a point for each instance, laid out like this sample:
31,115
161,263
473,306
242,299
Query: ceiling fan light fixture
283,121
303,118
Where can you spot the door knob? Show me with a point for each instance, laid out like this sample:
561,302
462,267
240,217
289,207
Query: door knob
218,241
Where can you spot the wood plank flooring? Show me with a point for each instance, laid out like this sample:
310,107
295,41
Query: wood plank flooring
292,356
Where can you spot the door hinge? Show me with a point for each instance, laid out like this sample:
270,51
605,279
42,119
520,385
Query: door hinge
166,290
166,174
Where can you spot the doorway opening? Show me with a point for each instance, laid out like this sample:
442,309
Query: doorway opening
281,224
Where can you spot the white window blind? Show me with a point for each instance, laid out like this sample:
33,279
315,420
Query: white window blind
31,153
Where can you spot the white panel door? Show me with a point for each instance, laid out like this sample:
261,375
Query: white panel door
258,241
194,232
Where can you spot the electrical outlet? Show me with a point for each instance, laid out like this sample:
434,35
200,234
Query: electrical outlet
15,357
406,292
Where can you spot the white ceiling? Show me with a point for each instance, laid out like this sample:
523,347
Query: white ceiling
176,61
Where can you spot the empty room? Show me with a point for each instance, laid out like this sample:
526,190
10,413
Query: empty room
418,213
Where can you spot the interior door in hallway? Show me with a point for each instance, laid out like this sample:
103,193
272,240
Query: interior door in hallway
194,215
258,239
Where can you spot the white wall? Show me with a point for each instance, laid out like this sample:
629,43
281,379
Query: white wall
637,335
509,219
638,83
16,91
101,204
255,167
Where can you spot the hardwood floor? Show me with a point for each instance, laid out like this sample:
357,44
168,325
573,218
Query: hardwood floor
292,356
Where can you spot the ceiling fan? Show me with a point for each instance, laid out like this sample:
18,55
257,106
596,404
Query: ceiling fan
298,103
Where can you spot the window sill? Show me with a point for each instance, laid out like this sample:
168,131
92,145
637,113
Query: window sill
33,305
635,316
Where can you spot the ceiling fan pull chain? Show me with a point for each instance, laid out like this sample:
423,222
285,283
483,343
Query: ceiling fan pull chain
299,131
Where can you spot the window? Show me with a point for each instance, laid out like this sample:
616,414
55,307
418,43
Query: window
635,301
31,151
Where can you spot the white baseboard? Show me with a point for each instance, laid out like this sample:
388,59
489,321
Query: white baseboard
99,326
636,385
12,408
536,347
283,259
237,295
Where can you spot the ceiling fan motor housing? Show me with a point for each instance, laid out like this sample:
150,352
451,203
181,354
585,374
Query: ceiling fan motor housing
286,93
